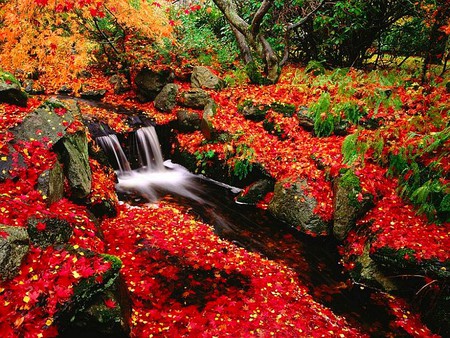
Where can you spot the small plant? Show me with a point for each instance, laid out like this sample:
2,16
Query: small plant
203,160
241,163
351,110
315,67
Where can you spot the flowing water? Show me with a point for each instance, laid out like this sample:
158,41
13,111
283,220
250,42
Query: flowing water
315,260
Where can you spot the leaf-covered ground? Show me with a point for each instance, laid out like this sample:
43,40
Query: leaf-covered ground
184,279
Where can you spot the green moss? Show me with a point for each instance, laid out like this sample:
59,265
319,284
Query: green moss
287,109
351,183
8,77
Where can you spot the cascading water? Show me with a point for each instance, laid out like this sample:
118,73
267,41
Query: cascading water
155,177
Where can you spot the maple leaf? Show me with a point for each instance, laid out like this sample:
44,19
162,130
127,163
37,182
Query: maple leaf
110,303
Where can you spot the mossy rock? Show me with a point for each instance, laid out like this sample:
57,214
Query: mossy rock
287,109
10,90
49,231
255,192
253,111
401,261
14,246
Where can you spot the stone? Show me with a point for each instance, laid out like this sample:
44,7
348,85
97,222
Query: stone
347,207
65,90
291,204
10,90
94,94
14,245
166,100
202,77
304,120
49,231
194,98
253,111
32,88
51,184
47,122
120,84
188,121
76,164
150,82
206,124
255,192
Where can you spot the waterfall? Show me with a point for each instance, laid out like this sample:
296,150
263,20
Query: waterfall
155,177
111,145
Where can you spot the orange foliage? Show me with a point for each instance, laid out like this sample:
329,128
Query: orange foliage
52,37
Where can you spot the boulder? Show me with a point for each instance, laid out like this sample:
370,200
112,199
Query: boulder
291,204
10,90
51,184
304,120
253,111
150,82
348,207
202,77
194,98
14,245
188,121
255,192
75,158
166,100
49,231
206,124
47,122
120,84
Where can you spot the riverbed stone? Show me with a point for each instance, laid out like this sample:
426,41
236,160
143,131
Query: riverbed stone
166,100
255,192
202,77
14,245
294,206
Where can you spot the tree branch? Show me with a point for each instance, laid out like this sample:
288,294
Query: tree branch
259,15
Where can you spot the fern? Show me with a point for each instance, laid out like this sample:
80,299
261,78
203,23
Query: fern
349,148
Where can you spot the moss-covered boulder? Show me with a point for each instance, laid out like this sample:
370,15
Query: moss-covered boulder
150,82
166,100
253,111
202,77
10,90
206,124
14,245
292,204
194,98
188,121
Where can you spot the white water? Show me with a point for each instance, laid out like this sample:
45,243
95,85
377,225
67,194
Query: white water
156,177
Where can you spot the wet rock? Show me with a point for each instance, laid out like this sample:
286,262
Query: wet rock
120,84
10,90
51,184
150,82
202,77
194,98
75,158
50,231
294,206
14,245
188,121
255,192
166,100
206,124
94,94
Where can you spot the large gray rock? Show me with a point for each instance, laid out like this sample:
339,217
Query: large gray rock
76,164
255,192
51,184
150,82
166,100
48,122
14,245
194,98
206,125
10,90
292,205
202,77
51,231
188,121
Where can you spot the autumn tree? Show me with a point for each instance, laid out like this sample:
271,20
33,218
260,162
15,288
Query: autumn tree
252,39
64,36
